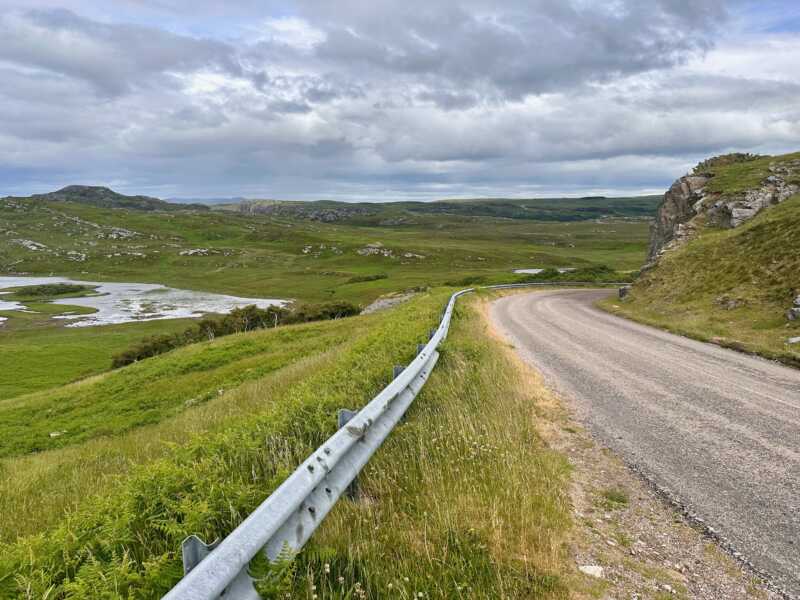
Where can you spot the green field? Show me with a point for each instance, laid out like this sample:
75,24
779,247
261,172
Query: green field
286,255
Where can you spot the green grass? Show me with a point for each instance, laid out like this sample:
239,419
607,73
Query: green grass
152,390
262,256
612,498
280,256
463,501
756,265
737,178
38,354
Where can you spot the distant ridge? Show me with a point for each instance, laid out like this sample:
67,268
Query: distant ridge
103,197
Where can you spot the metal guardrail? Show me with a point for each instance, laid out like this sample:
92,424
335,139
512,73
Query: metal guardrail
286,520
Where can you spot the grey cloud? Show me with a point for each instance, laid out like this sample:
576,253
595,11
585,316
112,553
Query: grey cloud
516,47
113,57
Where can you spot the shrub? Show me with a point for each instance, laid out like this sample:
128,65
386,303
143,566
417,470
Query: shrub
593,273
239,320
50,289
363,278
468,280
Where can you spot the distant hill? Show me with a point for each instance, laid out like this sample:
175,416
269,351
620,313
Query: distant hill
198,200
398,213
723,261
103,197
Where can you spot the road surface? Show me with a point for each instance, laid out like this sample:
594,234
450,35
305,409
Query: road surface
718,430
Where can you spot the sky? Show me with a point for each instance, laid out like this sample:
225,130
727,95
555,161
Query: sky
381,100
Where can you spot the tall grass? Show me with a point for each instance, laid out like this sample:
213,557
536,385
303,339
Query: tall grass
462,501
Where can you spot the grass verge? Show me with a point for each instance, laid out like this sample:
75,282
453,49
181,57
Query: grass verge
463,501
731,287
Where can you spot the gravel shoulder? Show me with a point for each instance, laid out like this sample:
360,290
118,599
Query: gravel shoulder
646,416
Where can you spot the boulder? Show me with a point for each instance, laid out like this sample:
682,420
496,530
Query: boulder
624,291
794,340
793,314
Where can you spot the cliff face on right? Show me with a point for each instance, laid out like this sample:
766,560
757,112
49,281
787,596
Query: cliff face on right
724,257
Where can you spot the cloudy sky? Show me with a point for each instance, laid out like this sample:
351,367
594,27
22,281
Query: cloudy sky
382,100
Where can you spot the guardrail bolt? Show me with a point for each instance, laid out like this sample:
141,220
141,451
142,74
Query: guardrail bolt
344,418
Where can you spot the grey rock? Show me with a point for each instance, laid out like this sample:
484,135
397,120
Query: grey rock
728,303
793,314
793,340
592,570
624,291
677,207
797,301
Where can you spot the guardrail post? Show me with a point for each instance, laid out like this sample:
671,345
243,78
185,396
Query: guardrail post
397,370
420,348
344,418
194,550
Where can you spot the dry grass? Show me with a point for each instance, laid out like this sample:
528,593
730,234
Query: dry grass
464,501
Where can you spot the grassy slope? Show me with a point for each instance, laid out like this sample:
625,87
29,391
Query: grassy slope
756,264
152,390
38,354
463,501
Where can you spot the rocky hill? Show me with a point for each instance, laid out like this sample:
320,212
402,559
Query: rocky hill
722,192
724,263
103,197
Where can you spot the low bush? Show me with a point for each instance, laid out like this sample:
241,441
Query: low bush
593,274
239,320
465,281
364,278
47,290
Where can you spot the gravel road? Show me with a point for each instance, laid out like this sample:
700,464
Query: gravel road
716,430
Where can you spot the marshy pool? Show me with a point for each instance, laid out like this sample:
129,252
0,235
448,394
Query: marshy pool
116,303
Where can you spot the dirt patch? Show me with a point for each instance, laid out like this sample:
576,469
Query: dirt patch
627,541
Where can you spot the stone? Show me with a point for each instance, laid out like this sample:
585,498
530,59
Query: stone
624,291
728,303
592,570
793,340
797,301
793,314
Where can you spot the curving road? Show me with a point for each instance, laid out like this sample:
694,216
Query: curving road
719,431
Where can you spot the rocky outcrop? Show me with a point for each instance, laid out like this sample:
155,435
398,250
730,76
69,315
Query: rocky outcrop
309,211
688,205
681,204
